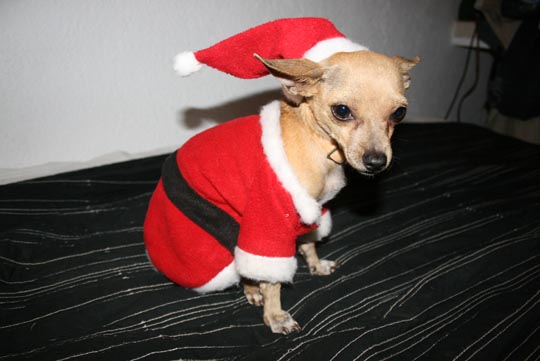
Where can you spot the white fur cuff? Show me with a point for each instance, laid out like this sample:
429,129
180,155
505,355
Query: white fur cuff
226,278
324,229
260,268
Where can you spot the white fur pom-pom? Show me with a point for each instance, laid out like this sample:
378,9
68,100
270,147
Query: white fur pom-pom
185,63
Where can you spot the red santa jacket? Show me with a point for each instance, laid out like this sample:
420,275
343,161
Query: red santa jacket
228,204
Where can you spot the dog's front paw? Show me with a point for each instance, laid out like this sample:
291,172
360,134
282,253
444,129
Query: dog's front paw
323,268
282,322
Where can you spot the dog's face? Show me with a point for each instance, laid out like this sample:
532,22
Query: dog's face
355,99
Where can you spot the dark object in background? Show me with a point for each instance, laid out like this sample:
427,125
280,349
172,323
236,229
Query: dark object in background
519,73
519,9
514,86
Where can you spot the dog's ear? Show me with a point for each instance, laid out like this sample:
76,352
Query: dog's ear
297,76
405,65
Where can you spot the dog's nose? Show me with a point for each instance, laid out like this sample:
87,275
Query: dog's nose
374,161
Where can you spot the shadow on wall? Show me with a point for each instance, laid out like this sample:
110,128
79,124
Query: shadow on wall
194,117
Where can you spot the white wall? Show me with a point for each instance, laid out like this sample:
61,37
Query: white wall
79,78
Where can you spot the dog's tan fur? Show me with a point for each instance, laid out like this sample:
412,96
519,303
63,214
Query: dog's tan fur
373,86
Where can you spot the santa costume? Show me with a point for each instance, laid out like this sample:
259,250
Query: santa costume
228,204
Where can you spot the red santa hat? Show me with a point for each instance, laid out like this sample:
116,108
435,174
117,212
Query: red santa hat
311,38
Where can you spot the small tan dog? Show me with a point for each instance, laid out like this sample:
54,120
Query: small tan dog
233,200
342,110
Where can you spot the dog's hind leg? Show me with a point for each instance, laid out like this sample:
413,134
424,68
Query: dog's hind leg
320,267
252,292
279,321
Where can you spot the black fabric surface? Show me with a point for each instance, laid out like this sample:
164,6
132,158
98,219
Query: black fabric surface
439,261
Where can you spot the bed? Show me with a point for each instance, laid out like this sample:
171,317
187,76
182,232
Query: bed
439,260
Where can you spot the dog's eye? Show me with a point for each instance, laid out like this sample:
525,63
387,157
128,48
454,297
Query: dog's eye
399,114
342,112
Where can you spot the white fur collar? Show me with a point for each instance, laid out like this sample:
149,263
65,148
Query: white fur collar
306,206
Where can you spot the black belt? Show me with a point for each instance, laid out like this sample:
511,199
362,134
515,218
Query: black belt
205,214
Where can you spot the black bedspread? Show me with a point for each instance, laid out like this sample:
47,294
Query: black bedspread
440,260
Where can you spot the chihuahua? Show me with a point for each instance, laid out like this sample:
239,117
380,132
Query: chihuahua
341,110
